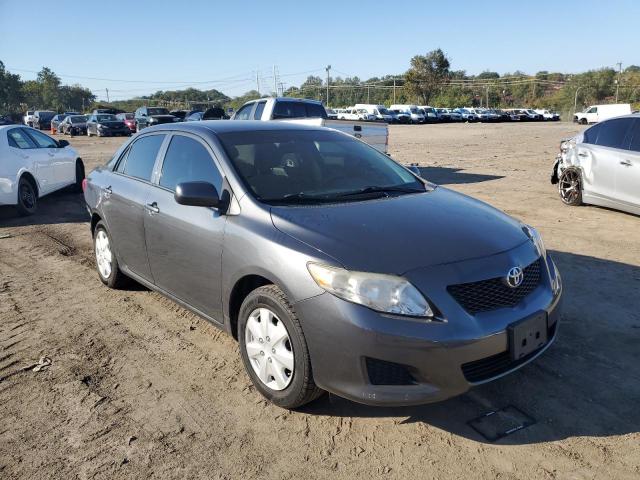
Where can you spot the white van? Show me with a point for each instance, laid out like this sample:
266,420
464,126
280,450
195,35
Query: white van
598,113
379,111
412,110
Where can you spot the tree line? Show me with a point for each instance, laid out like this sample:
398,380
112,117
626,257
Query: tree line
428,81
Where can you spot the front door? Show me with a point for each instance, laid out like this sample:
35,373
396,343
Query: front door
628,175
44,159
184,243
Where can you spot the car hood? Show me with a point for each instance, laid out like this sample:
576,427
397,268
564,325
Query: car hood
397,234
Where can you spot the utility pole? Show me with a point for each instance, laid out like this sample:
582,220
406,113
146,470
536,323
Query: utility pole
275,82
394,90
618,80
487,106
258,80
368,94
327,69
107,90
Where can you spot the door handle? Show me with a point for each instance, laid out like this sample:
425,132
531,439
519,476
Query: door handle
582,154
626,163
152,208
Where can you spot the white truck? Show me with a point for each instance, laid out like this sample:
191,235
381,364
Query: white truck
598,113
311,112
380,112
28,118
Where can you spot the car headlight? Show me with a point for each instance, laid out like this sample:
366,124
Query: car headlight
383,293
536,238
176,119
101,126
152,120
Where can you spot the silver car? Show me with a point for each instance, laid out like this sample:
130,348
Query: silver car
601,165
336,268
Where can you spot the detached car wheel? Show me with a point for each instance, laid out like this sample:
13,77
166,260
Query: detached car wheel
106,261
274,350
570,187
27,197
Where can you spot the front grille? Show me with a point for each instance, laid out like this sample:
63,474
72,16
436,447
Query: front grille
491,294
388,373
489,367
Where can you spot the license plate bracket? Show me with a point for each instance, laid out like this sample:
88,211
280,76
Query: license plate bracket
527,335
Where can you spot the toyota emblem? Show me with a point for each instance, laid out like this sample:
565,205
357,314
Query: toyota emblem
514,277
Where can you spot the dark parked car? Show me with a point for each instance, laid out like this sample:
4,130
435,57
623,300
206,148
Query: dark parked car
106,125
179,114
129,120
194,116
42,119
149,116
73,125
214,113
6,120
55,122
335,267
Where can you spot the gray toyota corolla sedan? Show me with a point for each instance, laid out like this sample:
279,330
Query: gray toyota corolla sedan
336,268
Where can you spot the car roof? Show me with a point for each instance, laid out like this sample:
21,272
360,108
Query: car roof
226,126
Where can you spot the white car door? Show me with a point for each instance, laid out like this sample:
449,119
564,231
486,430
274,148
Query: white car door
60,164
592,115
598,164
607,154
41,164
628,175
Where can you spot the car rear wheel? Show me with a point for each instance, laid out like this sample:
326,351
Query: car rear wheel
570,187
274,350
106,261
27,197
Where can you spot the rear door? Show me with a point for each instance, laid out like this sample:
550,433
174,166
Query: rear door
628,176
184,243
125,202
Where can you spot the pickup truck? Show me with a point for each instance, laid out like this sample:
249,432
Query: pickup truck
311,112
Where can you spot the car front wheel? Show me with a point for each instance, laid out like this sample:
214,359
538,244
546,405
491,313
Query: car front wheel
274,350
570,187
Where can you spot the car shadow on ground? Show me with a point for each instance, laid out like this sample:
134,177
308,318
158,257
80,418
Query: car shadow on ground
586,384
454,176
63,206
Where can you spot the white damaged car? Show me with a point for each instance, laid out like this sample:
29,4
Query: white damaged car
601,165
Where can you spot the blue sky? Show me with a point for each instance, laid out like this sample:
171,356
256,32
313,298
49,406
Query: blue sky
165,44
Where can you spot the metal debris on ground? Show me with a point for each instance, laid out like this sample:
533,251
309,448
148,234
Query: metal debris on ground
43,363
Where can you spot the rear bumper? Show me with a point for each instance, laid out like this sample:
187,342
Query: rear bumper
378,359
8,191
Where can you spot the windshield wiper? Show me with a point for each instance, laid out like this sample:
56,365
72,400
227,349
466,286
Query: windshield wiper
383,190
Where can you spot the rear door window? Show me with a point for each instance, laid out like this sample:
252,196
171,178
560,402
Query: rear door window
591,134
188,160
315,110
19,139
259,109
613,132
142,157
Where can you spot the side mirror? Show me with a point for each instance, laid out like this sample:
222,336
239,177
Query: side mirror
62,143
197,194
415,169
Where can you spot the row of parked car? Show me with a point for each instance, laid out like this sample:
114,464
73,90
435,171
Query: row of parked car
427,114
110,122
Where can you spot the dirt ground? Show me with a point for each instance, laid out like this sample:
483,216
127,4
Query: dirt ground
140,388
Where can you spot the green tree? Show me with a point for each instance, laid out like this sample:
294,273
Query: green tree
426,74
10,90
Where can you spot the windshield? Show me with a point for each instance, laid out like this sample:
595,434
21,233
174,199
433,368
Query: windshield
384,111
414,110
292,167
78,119
106,117
157,111
46,115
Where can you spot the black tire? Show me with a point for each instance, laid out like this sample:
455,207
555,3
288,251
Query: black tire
583,121
79,176
570,187
301,389
116,278
27,197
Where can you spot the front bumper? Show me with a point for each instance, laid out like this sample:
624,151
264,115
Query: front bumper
348,341
113,132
